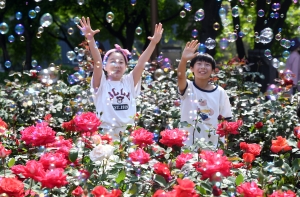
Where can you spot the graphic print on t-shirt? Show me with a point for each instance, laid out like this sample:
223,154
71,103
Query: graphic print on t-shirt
205,111
118,99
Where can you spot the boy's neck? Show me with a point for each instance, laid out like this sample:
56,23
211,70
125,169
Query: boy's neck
203,84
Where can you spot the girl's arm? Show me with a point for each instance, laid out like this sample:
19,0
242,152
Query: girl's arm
89,34
187,54
139,68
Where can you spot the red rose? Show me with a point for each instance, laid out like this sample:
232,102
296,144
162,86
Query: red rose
297,131
12,187
53,160
225,128
298,144
3,126
99,191
87,122
116,193
280,145
248,157
258,125
142,137
69,126
107,138
38,135
216,191
77,192
182,159
140,156
249,190
251,148
33,169
288,193
62,146
174,137
54,178
213,163
162,170
47,117
237,165
4,152
185,188
162,193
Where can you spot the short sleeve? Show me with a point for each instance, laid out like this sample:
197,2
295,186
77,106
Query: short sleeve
225,107
102,83
129,81
184,95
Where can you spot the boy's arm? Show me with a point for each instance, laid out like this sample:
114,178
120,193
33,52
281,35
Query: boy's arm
187,54
89,34
139,68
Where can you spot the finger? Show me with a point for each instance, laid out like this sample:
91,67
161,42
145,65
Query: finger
96,31
196,54
159,28
195,42
161,31
88,21
150,38
79,27
187,44
81,23
84,21
196,47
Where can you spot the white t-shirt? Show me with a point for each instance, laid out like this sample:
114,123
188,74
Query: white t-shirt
210,104
117,102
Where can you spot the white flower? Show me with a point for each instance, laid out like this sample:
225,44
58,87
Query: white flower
96,139
101,152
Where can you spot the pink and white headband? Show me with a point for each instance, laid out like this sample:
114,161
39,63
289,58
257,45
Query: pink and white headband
117,48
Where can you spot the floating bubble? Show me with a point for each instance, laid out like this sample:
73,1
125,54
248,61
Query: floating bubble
33,63
38,35
222,12
37,9
272,92
7,64
70,31
80,2
251,4
266,35
48,75
110,17
272,15
235,11
182,14
194,33
216,26
11,38
232,37
71,79
281,15
32,14
261,13
268,53
287,74
268,1
3,28
158,74
138,30
18,15
226,22
41,29
71,55
2,4
133,2
210,43
249,18
76,20
278,37
68,110
286,54
148,79
282,42
199,15
46,20
237,26
166,64
81,52
201,48
275,63
187,7
156,110
276,6
276,15
287,44
241,34
19,29
223,43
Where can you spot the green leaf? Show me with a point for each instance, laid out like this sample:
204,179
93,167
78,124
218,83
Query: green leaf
160,180
11,162
121,176
133,189
201,189
206,186
73,155
239,179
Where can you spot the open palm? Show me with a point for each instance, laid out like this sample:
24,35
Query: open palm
189,50
86,27
157,33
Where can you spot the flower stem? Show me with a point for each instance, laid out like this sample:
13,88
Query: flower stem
3,161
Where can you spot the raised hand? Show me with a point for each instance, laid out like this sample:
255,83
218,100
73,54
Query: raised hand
86,28
157,33
189,50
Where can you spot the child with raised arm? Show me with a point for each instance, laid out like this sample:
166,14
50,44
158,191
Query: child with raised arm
115,92
199,98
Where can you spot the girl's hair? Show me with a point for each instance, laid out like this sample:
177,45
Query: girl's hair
204,57
118,49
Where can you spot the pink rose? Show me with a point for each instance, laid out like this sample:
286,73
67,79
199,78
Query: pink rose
54,178
182,159
140,155
53,160
87,122
172,137
249,190
142,137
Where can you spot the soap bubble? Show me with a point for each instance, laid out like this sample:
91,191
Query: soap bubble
278,37
223,43
268,1
235,11
138,30
133,2
187,7
37,9
222,12
22,38
276,15
182,14
110,17
19,29
46,20
272,92
272,15
70,31
241,34
18,15
3,28
11,38
261,13
249,18
275,63
67,109
32,14
199,15
41,29
49,75
148,79
232,37
216,26
287,44
7,64
76,20
287,74
80,2
210,43
201,48
33,63
276,6
266,35
194,33
71,55
267,53
286,54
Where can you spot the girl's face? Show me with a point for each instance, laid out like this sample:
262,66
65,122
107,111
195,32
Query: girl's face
202,70
115,66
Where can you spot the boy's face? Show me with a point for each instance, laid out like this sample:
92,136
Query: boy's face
202,70
115,66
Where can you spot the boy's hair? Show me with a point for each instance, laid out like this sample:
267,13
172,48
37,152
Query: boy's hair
204,57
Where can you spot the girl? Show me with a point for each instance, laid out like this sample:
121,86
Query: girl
115,92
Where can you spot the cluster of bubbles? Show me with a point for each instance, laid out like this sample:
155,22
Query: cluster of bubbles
48,75
110,17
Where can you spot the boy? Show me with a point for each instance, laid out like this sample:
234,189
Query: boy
199,98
